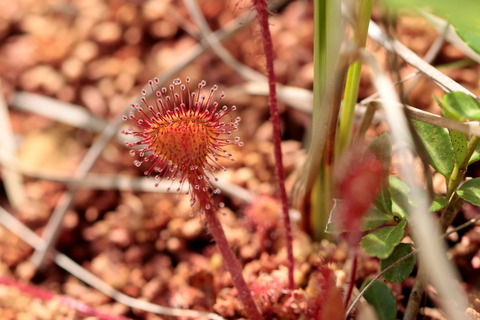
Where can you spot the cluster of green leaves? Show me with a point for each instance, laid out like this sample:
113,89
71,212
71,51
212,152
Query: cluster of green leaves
385,224
449,152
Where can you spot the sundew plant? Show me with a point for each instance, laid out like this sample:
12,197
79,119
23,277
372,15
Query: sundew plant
181,136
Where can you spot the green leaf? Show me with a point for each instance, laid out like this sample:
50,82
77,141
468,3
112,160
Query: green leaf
470,33
460,106
375,218
382,148
438,203
470,191
381,242
383,202
400,200
381,298
403,269
459,144
439,148
462,14
475,155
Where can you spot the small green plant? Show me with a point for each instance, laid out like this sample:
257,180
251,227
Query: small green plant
379,230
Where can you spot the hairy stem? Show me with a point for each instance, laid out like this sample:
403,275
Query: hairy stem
261,8
353,275
229,259
46,296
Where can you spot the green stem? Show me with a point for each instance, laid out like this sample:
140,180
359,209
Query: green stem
353,80
456,178
329,71
459,170
348,109
446,219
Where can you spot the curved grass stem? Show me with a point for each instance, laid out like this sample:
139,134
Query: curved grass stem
353,81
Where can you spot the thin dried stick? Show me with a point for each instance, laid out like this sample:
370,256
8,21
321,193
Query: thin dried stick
298,98
448,85
257,82
425,229
468,127
432,52
206,33
53,227
412,59
61,111
362,292
64,262
451,36
304,103
12,180
143,184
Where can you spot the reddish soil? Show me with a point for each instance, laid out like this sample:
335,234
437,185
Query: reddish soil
154,246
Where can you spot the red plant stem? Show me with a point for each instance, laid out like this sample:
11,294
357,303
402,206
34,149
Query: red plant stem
353,275
45,295
231,263
262,14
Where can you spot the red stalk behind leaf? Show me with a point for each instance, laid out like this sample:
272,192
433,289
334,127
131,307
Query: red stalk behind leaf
357,188
324,300
46,295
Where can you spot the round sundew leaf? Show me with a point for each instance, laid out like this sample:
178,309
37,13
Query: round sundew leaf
383,202
382,148
375,218
381,242
470,191
459,144
381,298
403,269
470,33
438,203
400,196
438,145
475,156
460,106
